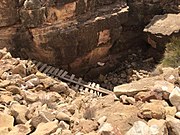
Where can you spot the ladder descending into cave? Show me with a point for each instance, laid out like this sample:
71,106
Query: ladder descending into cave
76,83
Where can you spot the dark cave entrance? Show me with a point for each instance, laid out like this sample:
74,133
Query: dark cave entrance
132,64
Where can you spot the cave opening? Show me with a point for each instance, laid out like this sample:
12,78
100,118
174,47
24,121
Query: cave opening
135,63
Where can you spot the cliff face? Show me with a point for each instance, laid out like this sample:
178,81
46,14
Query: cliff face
74,33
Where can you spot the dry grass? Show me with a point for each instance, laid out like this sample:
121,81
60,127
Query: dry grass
172,53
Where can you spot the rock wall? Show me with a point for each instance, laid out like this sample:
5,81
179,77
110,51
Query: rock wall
74,33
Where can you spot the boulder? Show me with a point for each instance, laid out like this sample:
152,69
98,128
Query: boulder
30,96
42,117
20,69
157,127
170,74
32,82
102,120
58,132
60,88
86,126
6,99
63,116
46,81
6,120
4,130
45,128
19,112
166,24
139,128
177,115
164,86
20,129
63,125
135,87
173,125
14,89
106,129
4,83
153,110
175,97
170,110
127,100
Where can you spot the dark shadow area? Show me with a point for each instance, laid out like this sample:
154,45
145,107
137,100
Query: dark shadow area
133,64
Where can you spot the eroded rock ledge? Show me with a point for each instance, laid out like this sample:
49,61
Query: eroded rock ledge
75,33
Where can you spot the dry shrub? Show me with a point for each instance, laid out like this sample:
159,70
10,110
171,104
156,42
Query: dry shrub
172,53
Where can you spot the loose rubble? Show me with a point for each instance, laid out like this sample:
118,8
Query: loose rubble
33,103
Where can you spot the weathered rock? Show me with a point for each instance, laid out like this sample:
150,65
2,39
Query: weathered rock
66,132
58,131
63,116
133,88
32,82
31,76
164,86
4,83
102,120
177,115
20,69
20,130
46,128
173,125
170,110
19,112
60,88
130,100
6,120
14,89
42,117
54,96
46,81
153,110
33,18
86,126
123,99
139,128
127,100
164,24
147,96
175,97
30,96
106,129
6,99
170,74
63,125
161,29
9,13
157,127
32,4
16,79
4,130
89,113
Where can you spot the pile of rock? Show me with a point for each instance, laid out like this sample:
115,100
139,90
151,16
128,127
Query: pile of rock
132,66
33,103
158,100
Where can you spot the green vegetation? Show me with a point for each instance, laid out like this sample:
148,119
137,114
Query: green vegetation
172,53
